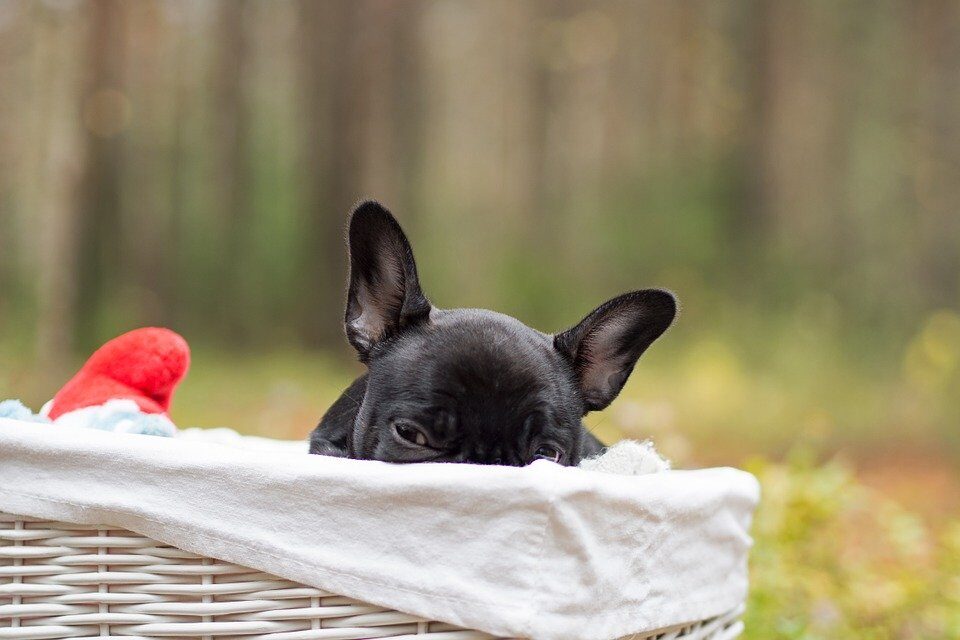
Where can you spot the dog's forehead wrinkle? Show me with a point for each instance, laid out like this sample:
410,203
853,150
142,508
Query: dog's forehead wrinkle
479,340
484,320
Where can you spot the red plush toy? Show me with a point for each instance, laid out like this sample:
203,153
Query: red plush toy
143,365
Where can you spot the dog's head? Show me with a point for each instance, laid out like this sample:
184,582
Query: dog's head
468,385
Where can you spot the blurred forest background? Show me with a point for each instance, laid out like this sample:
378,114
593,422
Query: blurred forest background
790,169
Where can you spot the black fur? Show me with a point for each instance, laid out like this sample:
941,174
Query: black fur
469,385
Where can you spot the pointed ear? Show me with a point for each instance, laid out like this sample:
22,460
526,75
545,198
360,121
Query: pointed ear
384,295
607,343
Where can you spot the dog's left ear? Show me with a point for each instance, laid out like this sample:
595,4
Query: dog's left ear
384,295
606,344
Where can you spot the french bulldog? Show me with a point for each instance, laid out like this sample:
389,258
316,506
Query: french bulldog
470,385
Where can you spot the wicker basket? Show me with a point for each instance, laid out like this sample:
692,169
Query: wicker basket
62,580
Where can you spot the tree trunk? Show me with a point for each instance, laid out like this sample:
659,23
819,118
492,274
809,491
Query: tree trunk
332,48
103,100
58,130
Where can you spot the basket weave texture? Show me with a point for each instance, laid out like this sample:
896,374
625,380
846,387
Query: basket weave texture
62,580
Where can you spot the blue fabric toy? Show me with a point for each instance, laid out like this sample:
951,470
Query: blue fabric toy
16,410
120,416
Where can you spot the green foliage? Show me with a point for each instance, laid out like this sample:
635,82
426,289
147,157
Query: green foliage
835,559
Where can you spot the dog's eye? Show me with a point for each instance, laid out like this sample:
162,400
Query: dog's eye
546,452
410,433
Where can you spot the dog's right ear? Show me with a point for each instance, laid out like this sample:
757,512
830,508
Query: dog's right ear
384,295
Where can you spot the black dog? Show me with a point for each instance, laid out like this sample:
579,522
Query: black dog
468,385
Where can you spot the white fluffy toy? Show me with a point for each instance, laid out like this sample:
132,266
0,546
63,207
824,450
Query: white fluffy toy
628,458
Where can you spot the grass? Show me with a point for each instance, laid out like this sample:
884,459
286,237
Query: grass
836,559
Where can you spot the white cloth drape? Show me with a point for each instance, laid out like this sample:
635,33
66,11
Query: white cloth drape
543,552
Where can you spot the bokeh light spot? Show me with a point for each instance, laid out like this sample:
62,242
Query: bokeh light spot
933,355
